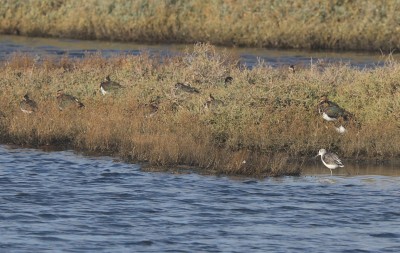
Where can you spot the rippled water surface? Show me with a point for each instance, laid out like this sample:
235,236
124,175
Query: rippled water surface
39,47
63,201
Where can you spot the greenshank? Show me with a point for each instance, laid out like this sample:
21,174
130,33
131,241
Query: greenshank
330,160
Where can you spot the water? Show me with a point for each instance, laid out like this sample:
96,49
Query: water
249,57
66,202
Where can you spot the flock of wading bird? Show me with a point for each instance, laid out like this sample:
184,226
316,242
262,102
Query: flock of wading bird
329,110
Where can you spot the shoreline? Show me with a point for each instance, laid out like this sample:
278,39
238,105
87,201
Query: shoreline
248,57
386,166
188,43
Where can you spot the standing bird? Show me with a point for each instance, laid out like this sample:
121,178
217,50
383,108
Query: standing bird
109,86
67,101
292,69
330,160
27,105
331,111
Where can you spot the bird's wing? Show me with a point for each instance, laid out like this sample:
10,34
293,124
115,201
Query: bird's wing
194,90
332,158
32,104
336,159
114,85
189,89
333,111
110,85
24,105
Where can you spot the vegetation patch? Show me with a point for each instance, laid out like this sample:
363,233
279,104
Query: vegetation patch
262,122
316,24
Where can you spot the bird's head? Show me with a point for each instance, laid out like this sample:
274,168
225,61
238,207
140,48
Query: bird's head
321,152
179,85
228,79
323,98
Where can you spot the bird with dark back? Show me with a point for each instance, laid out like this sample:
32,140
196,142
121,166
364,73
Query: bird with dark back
67,101
108,86
27,105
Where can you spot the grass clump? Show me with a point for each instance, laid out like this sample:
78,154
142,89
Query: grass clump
316,24
265,119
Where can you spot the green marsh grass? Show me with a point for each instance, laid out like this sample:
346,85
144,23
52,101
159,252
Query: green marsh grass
267,124
312,24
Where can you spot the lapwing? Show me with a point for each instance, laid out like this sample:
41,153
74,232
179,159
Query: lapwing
330,160
292,69
27,105
67,101
109,86
330,111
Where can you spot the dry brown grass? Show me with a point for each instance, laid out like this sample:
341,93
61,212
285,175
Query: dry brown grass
335,24
267,119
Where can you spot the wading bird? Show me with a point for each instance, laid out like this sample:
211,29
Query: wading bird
186,88
109,86
330,160
27,105
331,111
66,101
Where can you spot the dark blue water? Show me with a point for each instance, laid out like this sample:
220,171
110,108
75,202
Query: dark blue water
249,57
66,202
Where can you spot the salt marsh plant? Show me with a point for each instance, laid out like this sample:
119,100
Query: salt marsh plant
265,124
315,24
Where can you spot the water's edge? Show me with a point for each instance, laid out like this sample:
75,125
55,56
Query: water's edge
307,165
250,57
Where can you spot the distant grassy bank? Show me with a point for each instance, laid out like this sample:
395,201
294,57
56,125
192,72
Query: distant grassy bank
316,24
259,123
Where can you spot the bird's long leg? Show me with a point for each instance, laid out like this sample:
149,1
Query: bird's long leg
331,171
